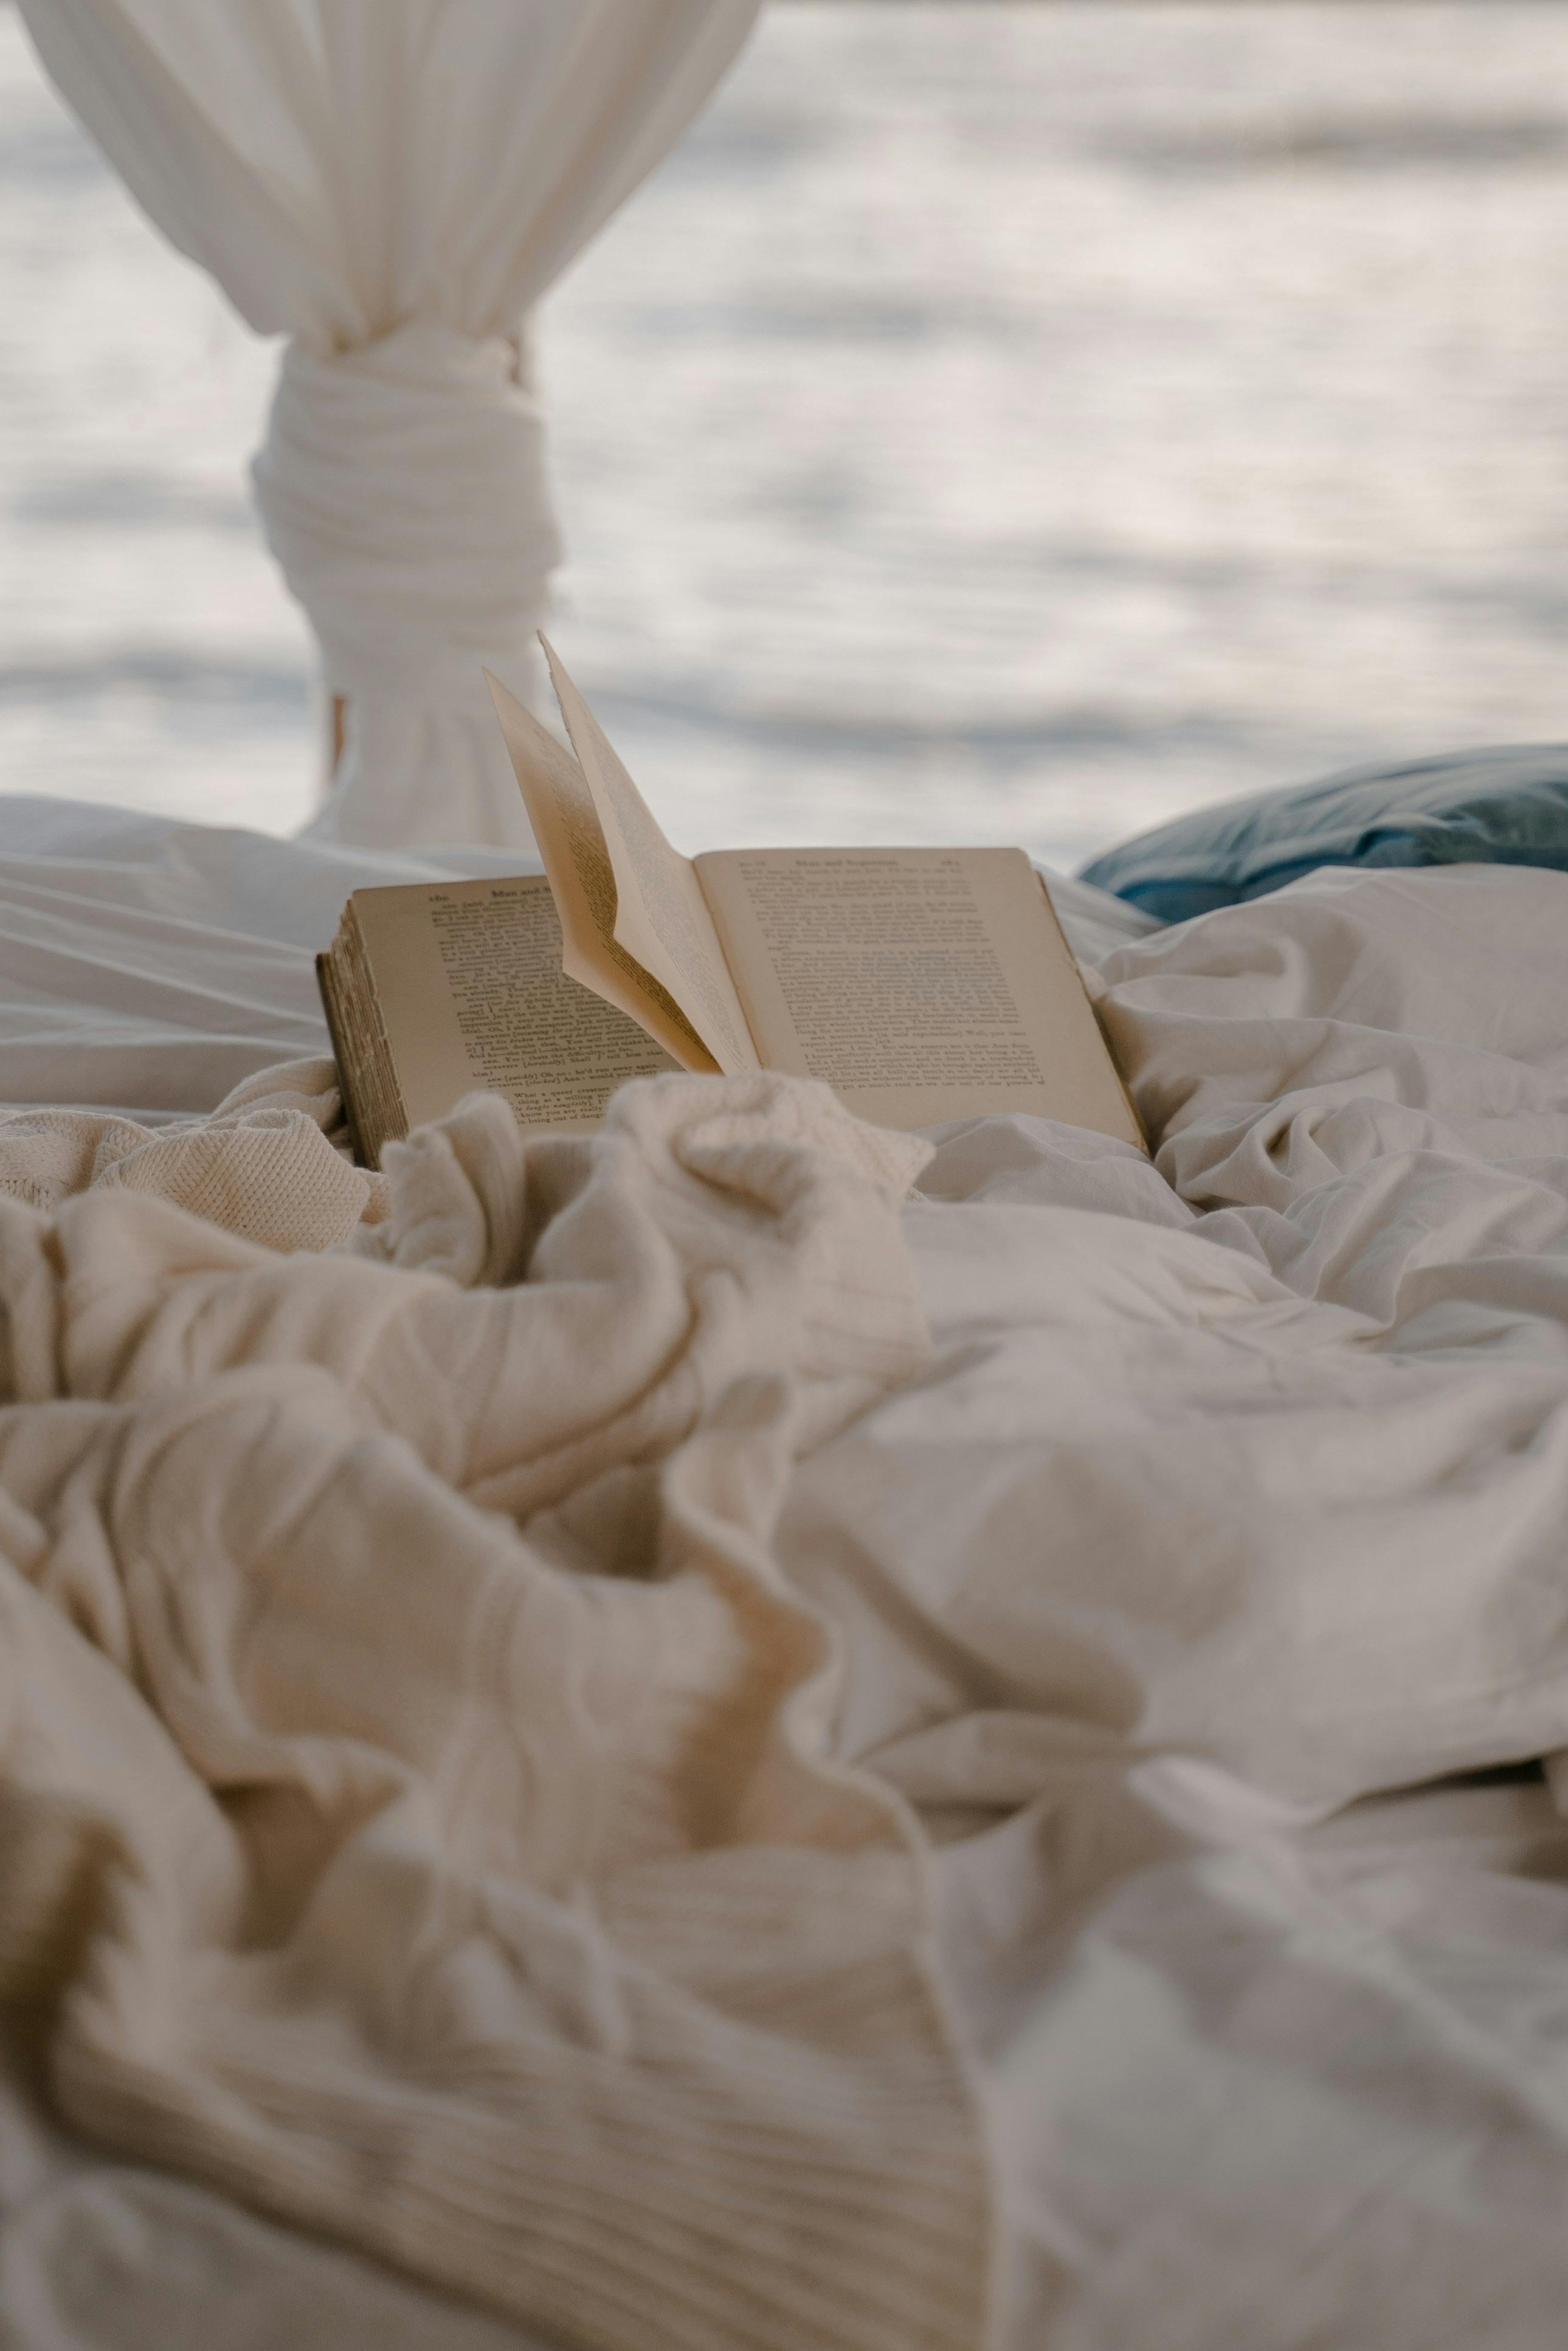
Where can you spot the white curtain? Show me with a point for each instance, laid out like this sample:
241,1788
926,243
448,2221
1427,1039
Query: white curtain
393,183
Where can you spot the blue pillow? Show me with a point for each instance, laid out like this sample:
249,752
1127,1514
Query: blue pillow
1507,807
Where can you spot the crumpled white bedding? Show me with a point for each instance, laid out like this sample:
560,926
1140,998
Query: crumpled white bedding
414,1811
1229,1525
1236,1507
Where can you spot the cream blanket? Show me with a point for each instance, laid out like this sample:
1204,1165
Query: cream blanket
414,1810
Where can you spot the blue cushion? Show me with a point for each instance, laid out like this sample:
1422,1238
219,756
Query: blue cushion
1507,807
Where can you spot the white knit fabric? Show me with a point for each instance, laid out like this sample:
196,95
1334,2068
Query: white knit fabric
261,1166
415,1811
394,183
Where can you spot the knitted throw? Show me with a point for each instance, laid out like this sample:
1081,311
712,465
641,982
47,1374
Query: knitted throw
414,1810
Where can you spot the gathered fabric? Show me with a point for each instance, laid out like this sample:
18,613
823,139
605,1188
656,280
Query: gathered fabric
402,488
417,1810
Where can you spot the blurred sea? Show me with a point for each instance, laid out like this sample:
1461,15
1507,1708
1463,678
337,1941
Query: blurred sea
994,422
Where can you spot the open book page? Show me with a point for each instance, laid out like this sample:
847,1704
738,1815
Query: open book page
661,914
566,826
471,994
921,984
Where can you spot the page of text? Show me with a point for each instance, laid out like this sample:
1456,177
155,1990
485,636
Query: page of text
921,983
472,996
566,827
661,916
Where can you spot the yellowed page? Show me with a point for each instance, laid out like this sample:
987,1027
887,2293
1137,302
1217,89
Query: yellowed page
471,995
921,984
661,914
566,826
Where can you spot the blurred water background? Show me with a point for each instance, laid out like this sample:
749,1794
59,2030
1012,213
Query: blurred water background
996,422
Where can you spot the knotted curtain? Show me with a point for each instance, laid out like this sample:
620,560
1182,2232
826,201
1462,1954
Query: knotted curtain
393,184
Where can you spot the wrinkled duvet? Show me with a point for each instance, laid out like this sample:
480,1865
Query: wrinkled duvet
1167,1622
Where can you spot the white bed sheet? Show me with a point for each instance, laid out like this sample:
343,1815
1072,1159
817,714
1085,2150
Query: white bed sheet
1238,1500
1197,1599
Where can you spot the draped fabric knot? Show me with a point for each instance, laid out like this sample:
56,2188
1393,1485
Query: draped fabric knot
403,489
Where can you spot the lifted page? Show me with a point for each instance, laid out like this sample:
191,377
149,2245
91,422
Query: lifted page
565,825
661,914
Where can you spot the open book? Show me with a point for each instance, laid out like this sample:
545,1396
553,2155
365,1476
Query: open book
921,984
